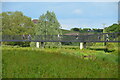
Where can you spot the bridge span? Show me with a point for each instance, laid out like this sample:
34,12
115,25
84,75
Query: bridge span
102,37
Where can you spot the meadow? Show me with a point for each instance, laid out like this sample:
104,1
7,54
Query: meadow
26,62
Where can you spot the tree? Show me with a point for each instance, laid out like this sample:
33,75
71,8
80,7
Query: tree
97,30
75,29
113,28
15,23
86,29
48,25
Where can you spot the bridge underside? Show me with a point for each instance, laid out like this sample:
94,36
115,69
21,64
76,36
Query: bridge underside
103,37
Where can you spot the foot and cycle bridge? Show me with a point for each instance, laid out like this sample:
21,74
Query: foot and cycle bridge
82,38
101,37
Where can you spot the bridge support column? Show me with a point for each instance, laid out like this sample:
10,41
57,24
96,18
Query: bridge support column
105,43
0,43
37,44
42,45
82,45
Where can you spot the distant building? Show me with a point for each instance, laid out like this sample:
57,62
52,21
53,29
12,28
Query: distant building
35,21
38,21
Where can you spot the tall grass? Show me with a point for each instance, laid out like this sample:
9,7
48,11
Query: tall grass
56,63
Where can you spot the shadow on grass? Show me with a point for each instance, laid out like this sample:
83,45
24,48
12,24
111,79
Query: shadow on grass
102,49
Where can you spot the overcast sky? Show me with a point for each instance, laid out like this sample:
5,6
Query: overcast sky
70,14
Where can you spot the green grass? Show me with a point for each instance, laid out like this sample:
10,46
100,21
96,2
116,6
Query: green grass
57,63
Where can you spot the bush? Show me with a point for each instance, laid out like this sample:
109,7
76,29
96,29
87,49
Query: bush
21,44
112,46
33,44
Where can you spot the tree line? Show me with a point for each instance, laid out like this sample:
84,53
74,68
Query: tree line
86,30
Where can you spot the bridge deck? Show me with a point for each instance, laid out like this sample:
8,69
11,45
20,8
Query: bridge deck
103,37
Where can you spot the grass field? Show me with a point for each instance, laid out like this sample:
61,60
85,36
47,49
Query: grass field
58,63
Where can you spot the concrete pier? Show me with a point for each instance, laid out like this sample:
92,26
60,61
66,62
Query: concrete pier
82,45
37,44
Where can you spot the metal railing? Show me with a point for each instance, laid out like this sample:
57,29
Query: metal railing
103,37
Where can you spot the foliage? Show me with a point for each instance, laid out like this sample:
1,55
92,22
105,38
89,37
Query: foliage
113,28
15,23
48,25
97,30
33,44
75,29
84,30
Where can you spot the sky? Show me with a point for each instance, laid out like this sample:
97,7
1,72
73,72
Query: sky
59,0
70,14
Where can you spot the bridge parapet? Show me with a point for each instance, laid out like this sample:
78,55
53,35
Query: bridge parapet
103,37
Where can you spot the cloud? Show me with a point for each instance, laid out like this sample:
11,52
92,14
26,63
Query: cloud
77,11
97,25
67,26
85,23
